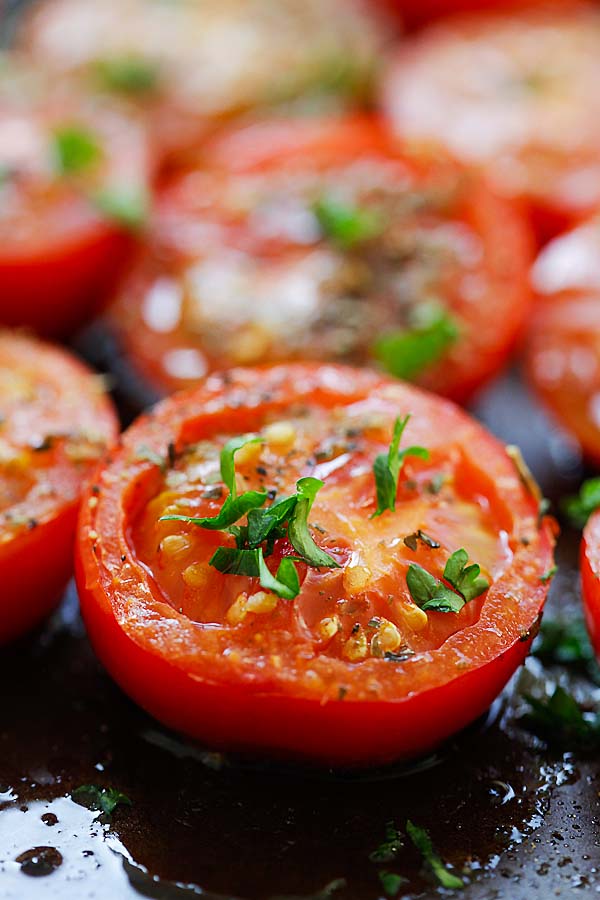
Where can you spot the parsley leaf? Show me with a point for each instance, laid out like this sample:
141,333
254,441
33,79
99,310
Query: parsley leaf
391,882
564,643
126,205
429,592
233,561
388,849
580,507
102,799
74,149
560,720
465,579
298,533
408,352
387,466
266,524
420,838
128,74
346,225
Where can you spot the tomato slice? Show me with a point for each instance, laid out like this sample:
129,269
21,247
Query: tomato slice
327,240
416,13
563,351
590,578
515,92
55,423
73,186
191,64
353,670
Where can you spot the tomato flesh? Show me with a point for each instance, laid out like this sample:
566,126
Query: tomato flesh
55,424
515,92
241,271
563,350
231,655
54,231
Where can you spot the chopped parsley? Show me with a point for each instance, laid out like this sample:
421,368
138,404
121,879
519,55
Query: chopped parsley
579,508
74,149
549,574
345,224
559,720
391,882
132,75
411,541
428,592
103,800
287,517
387,467
420,838
564,643
406,353
389,848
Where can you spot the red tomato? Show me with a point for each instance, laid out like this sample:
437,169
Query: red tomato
55,422
189,64
590,578
563,350
73,180
353,670
415,13
516,92
327,240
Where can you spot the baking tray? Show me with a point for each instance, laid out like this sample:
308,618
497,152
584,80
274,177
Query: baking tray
519,819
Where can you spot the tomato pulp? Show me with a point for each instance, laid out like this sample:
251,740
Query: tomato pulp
351,669
515,92
73,189
563,349
326,240
55,422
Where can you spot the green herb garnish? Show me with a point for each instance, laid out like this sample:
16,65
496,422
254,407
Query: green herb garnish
420,838
74,149
408,352
128,74
560,720
101,799
346,225
563,643
232,561
389,848
580,507
387,466
549,574
429,592
391,882
298,533
126,205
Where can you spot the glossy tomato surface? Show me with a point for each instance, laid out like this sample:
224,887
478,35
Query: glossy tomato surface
563,349
55,423
189,64
327,240
73,189
515,92
353,670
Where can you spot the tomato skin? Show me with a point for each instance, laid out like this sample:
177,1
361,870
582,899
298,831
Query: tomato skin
159,658
36,559
269,150
538,139
561,353
589,563
416,13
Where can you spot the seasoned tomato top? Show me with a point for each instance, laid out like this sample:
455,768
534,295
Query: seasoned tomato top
293,529
68,164
212,59
517,89
55,422
327,241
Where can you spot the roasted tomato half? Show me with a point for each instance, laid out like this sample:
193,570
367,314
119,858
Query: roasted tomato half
73,188
516,92
563,350
590,578
54,424
416,13
326,240
312,561
189,64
